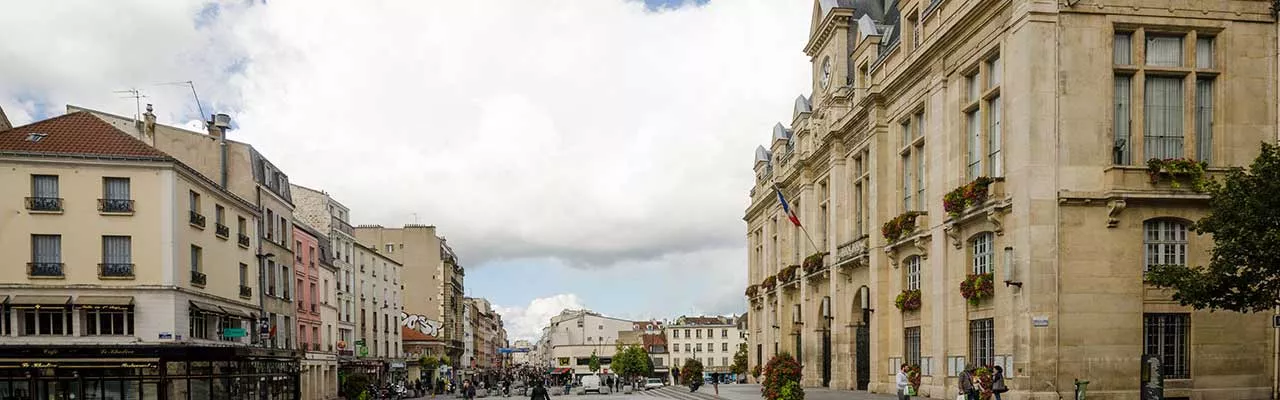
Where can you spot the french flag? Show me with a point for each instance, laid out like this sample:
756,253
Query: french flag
791,214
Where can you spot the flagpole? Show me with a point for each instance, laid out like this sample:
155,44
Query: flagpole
813,244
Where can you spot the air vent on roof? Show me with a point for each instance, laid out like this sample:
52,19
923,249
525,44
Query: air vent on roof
36,137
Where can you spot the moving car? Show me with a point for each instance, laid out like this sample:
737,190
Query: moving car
591,383
653,383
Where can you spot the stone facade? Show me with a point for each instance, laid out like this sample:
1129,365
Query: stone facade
1060,105
711,340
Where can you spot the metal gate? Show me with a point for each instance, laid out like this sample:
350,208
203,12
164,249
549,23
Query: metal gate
826,358
862,354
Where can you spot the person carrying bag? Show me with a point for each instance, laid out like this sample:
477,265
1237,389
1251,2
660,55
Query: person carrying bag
997,382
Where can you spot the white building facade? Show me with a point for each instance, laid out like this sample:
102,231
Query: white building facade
711,340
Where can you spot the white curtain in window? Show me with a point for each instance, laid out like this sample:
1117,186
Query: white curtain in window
44,186
975,145
993,139
117,250
994,70
1164,51
1204,52
1123,49
1163,117
906,181
1122,119
116,188
1204,120
46,248
920,178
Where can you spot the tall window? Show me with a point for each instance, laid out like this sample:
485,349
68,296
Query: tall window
115,195
913,273
860,183
194,201
982,342
983,254
117,257
46,255
1166,336
1165,242
911,345
983,116
46,320
109,320
1163,79
197,255
244,275
219,215
824,195
913,159
271,278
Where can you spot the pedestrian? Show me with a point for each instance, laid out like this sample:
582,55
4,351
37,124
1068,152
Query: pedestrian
967,388
903,383
539,393
468,390
997,382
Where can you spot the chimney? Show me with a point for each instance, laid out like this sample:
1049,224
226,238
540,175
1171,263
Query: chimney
149,126
4,121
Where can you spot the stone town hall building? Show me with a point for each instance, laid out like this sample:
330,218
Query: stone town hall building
1053,109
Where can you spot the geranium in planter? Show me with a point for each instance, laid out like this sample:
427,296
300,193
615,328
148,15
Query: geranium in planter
977,287
1176,169
769,283
913,377
788,274
984,376
965,196
778,372
908,300
899,226
813,263
752,290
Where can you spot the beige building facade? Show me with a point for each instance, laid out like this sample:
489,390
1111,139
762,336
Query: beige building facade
710,340
1016,136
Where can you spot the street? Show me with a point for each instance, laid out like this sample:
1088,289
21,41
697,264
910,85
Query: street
727,392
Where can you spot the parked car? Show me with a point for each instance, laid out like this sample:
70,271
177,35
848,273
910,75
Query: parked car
591,383
653,383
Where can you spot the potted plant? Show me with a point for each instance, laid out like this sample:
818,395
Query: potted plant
899,226
908,300
781,370
965,196
769,283
813,263
913,377
984,376
976,287
788,274
752,290
1175,169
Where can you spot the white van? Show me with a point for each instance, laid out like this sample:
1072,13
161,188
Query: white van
591,383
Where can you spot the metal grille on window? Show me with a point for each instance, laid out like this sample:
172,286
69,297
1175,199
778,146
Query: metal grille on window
913,273
1163,117
1164,51
1122,119
1166,243
1166,336
982,342
1204,120
911,343
983,255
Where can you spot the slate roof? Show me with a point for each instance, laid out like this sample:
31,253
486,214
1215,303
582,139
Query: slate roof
76,134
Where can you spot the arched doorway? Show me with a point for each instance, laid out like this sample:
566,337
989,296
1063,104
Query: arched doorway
862,337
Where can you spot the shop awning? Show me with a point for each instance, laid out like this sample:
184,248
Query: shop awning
559,371
206,307
235,312
42,301
104,300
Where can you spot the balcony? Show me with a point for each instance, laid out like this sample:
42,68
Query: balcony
198,278
196,220
243,239
44,270
115,206
115,270
44,204
315,347
342,226
246,291
222,231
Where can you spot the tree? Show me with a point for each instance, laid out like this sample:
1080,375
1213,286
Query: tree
691,373
740,360
631,361
355,384
429,363
1244,218
594,363
444,360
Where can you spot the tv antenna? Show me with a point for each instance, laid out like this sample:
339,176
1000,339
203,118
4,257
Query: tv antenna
137,96
191,85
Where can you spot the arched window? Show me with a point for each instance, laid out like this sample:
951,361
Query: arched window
1166,243
913,273
983,256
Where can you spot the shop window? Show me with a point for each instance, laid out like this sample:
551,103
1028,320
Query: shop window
45,321
109,321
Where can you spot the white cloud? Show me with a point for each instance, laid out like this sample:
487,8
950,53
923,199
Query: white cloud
526,322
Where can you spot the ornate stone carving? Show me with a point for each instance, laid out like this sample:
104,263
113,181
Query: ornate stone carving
953,231
1114,207
893,255
922,244
996,218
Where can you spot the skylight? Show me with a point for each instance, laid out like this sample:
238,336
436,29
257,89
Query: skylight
36,137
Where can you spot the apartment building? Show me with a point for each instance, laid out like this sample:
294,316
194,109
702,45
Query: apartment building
489,335
433,283
130,273
331,320
711,340
1016,149
571,337
378,344
319,363
327,215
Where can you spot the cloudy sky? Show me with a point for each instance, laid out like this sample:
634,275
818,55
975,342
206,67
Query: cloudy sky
577,153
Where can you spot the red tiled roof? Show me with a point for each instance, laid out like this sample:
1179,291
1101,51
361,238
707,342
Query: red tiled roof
653,340
413,335
703,321
78,133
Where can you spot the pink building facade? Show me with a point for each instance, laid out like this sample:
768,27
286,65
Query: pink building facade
306,271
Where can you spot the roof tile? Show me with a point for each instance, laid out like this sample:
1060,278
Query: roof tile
78,133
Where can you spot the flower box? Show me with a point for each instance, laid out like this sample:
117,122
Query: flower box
769,283
752,290
908,300
1178,171
813,263
788,274
968,195
899,226
977,287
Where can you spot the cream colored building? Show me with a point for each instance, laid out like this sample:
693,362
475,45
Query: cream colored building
123,261
711,340
1061,104
572,336
378,284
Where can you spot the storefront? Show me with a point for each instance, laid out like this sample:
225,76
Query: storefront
178,372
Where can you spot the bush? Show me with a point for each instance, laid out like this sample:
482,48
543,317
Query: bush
780,370
691,373
792,391
354,385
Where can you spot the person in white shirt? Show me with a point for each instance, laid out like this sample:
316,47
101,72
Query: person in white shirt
903,382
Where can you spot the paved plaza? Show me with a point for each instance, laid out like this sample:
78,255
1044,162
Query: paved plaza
727,392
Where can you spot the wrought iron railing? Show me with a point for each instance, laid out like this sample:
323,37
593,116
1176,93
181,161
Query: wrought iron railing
244,240
115,270
342,226
246,291
44,269
44,203
115,205
196,219
221,230
198,278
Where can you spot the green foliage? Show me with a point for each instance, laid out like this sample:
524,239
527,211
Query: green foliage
691,373
755,371
354,385
899,225
977,287
908,300
1244,218
813,263
740,360
1176,169
631,361
792,391
594,363
780,370
965,196
428,362
984,376
444,360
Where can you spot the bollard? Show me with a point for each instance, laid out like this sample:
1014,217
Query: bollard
1081,387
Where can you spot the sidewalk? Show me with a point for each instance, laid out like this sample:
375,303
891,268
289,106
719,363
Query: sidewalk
752,392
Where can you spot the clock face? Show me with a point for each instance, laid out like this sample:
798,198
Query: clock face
826,73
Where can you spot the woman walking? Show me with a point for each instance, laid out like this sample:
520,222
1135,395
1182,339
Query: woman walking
997,382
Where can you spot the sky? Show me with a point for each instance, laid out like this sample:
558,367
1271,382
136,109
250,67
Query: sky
576,153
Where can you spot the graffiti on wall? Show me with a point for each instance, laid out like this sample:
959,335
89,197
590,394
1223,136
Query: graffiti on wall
420,323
